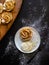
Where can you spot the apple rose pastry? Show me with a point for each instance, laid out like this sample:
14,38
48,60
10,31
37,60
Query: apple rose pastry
6,17
8,5
26,33
1,7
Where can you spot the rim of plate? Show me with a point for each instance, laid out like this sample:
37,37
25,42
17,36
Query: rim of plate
35,47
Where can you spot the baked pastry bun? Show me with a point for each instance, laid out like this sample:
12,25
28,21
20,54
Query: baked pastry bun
1,7
9,6
6,17
26,34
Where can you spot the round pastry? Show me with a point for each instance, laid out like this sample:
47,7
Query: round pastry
8,5
26,33
27,46
6,17
1,7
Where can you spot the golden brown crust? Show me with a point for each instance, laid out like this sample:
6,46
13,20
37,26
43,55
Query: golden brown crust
13,1
9,6
26,33
7,16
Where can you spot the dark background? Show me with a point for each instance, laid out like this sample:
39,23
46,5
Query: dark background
33,13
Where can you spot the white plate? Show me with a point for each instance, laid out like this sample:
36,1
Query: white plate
35,38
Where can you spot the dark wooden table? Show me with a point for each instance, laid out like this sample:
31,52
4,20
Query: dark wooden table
33,13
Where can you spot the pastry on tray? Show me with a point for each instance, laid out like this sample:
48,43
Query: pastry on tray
9,6
6,17
26,34
1,7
